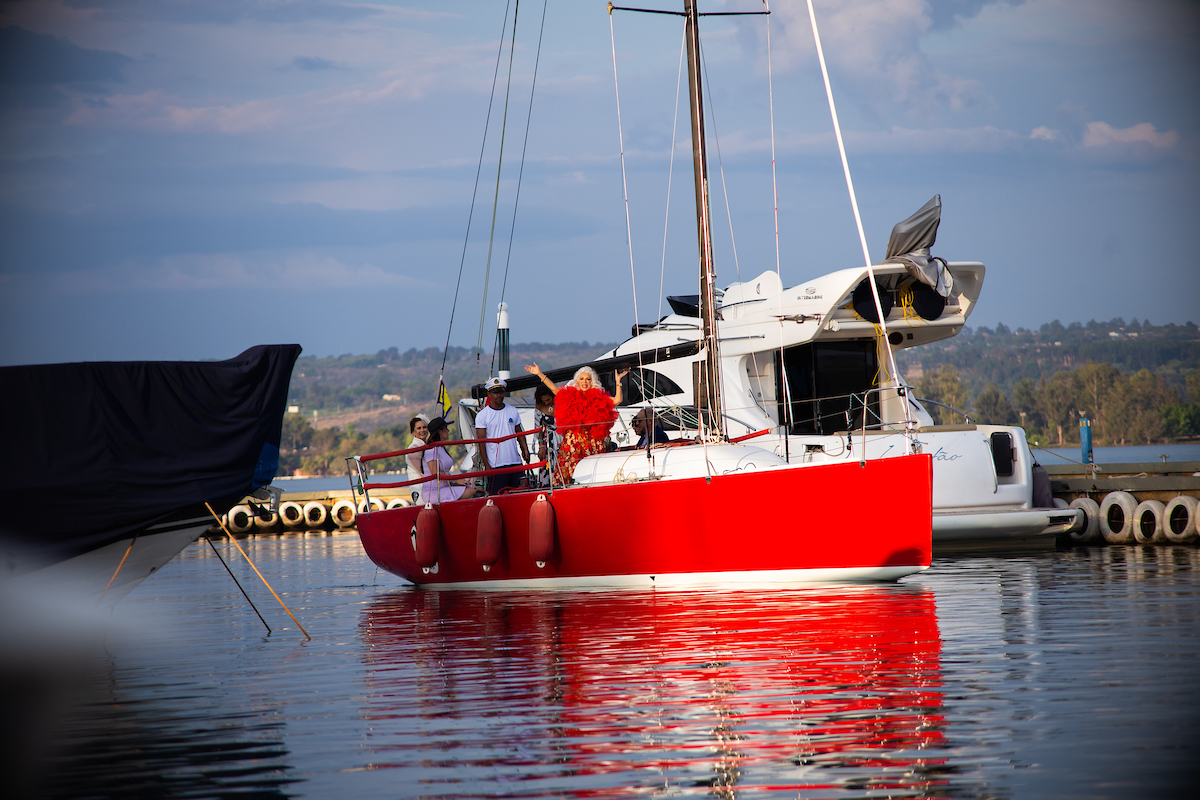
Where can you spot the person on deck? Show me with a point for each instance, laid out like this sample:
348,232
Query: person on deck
584,415
418,426
548,440
439,463
494,420
646,426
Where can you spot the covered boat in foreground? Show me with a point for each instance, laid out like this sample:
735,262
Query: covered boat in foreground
111,464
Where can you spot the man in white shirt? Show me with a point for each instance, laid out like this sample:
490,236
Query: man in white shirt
494,420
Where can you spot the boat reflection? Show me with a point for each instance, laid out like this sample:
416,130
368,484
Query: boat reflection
830,690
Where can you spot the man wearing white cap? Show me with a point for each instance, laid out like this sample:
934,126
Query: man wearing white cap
494,420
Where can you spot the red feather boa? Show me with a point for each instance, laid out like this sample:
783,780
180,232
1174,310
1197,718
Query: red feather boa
592,411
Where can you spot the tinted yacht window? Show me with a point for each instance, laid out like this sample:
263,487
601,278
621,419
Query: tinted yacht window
827,382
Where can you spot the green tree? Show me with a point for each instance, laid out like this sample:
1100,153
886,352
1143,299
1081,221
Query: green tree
1096,382
1024,400
993,408
1056,400
944,386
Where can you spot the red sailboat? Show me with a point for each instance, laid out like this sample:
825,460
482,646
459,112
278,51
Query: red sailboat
703,512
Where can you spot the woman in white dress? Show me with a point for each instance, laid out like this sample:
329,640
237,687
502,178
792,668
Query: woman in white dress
439,463
418,426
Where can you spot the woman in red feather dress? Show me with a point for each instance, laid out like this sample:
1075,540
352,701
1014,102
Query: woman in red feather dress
584,415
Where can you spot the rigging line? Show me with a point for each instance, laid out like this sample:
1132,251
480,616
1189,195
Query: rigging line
520,174
787,397
624,182
862,237
474,192
670,174
487,274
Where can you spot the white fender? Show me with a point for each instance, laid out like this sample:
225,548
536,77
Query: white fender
1091,529
398,502
1116,517
269,523
315,514
376,505
343,514
1179,519
1148,522
291,514
239,519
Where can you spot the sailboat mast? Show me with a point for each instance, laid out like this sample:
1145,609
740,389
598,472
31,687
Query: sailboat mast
708,392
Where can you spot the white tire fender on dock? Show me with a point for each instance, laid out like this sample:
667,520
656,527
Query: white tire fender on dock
398,502
1148,522
1091,529
270,522
1179,519
315,514
291,514
343,514
376,505
239,519
1116,517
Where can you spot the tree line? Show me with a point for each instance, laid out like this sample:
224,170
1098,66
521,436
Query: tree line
1137,382
1141,408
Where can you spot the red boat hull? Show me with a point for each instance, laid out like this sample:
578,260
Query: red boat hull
809,523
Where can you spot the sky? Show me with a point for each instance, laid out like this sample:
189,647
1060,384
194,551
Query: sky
183,179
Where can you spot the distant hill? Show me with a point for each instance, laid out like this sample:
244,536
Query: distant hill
387,388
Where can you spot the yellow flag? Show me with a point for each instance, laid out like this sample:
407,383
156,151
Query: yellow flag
443,398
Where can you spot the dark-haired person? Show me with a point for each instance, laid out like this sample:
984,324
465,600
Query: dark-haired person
548,440
439,463
647,427
418,426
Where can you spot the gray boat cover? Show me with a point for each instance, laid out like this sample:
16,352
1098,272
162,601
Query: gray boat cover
910,243
97,451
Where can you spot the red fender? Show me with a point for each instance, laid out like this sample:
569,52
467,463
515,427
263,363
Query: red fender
489,534
541,529
429,533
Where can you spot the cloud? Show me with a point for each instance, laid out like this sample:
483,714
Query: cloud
225,12
36,59
157,110
183,273
876,45
314,64
1044,134
1138,137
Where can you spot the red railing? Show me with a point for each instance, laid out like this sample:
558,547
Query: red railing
457,476
405,452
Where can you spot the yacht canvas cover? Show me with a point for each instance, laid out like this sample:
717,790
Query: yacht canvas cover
911,241
98,451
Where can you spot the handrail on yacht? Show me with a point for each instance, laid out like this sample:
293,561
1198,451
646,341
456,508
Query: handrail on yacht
963,414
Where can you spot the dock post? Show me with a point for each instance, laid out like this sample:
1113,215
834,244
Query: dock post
1085,440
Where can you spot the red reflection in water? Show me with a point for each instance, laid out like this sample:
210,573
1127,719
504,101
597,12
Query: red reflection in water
822,690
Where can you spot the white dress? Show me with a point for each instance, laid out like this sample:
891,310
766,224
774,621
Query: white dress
415,462
441,491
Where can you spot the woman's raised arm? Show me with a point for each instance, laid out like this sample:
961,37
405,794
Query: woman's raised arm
533,369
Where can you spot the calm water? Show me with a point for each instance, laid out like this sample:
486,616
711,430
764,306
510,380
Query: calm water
1073,674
